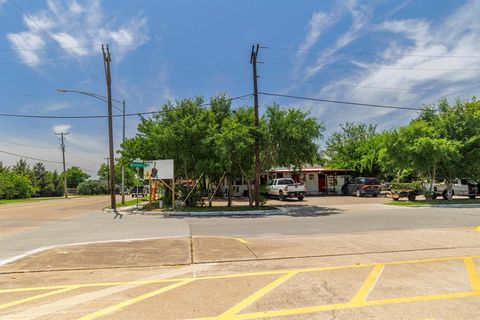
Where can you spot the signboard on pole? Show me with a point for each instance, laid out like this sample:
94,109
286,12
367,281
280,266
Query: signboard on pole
158,169
136,165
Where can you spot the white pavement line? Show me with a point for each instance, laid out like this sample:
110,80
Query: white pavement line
41,249
59,305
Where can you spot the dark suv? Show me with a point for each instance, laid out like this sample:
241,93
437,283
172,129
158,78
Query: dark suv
362,186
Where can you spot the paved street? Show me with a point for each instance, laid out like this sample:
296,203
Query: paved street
334,261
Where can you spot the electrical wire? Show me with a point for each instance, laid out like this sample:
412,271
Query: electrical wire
104,116
28,145
81,158
338,101
370,53
31,158
373,67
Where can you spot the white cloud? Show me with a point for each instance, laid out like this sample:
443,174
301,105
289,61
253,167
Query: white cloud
441,53
61,128
25,44
55,106
78,28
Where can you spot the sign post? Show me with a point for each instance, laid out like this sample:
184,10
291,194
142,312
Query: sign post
137,164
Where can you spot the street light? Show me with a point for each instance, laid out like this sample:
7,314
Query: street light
104,99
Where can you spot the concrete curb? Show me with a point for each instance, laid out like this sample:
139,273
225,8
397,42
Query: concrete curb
221,213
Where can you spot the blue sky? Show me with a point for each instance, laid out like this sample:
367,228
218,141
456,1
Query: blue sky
402,53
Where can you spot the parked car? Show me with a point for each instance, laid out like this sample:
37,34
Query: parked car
286,188
460,187
139,191
362,186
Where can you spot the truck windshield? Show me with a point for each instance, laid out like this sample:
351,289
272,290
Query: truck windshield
287,182
371,181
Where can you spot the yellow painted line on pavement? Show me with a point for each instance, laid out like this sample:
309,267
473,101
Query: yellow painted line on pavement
368,285
224,237
127,303
472,274
236,275
35,297
349,305
477,228
230,313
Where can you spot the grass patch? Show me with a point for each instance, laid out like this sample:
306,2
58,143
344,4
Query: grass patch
426,203
7,201
131,202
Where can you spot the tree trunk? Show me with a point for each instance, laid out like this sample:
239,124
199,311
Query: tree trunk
250,198
229,196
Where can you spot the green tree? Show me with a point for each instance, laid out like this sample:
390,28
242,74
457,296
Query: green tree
75,176
104,172
15,186
290,137
21,167
356,146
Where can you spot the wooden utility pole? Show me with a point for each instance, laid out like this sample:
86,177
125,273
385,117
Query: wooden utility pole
253,62
123,141
106,63
62,146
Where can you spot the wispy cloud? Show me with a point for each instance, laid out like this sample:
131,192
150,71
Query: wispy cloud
423,62
78,28
61,128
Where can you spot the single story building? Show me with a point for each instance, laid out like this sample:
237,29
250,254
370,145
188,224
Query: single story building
317,179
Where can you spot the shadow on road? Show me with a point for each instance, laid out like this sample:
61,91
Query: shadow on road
287,211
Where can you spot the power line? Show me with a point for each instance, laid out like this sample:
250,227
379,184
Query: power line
338,101
370,53
31,158
28,145
374,68
358,86
81,158
104,116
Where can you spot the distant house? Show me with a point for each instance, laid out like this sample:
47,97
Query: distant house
317,179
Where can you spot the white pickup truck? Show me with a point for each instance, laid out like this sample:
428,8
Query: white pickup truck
460,187
286,188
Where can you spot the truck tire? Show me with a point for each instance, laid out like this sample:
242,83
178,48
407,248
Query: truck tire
281,197
375,195
472,196
300,198
358,194
445,195
434,196
411,196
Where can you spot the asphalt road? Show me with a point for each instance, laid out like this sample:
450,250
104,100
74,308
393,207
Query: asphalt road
58,222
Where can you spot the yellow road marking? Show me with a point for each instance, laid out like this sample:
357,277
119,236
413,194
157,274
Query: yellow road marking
224,237
234,275
127,303
472,274
230,313
31,298
477,228
368,285
349,305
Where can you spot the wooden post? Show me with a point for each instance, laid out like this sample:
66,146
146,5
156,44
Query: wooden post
149,191
173,192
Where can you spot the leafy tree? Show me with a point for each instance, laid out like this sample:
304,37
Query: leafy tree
356,146
75,176
21,167
291,137
15,186
42,180
104,172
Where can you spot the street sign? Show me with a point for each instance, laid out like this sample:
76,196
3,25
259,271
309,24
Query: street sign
136,164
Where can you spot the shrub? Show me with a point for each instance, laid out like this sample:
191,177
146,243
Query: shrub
91,187
15,186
